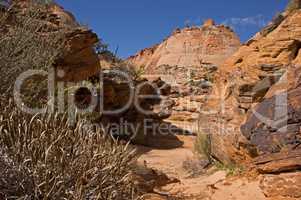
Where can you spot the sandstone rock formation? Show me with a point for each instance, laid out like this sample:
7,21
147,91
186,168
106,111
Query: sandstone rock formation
263,71
187,60
258,91
79,60
141,116
285,186
254,106
279,162
274,127
190,47
293,5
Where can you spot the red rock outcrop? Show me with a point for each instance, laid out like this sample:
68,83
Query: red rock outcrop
273,163
79,60
285,186
265,66
190,47
187,60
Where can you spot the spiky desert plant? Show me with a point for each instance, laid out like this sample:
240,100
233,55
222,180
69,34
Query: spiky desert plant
58,162
41,157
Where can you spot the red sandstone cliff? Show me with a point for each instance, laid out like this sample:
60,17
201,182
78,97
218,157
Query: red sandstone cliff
190,47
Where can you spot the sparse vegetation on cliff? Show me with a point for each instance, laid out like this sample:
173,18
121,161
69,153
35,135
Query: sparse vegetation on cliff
293,5
23,46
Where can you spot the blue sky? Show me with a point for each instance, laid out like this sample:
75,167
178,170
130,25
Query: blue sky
133,25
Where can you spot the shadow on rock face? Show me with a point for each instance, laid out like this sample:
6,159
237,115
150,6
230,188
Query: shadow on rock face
164,139
275,123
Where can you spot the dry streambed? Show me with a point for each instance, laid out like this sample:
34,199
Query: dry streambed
187,180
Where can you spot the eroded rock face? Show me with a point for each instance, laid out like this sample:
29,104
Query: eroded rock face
273,127
190,47
285,161
63,16
79,60
138,117
187,60
286,185
265,66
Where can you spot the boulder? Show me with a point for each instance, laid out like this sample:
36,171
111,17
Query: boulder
279,162
285,185
79,60
138,117
274,125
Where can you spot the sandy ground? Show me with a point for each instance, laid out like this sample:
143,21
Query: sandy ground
214,185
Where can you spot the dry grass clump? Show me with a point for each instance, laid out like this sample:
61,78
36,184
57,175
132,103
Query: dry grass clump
14,180
43,158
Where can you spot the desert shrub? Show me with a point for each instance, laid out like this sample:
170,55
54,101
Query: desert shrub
102,48
230,169
203,147
131,71
14,180
26,43
276,21
47,159
116,63
41,156
139,72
